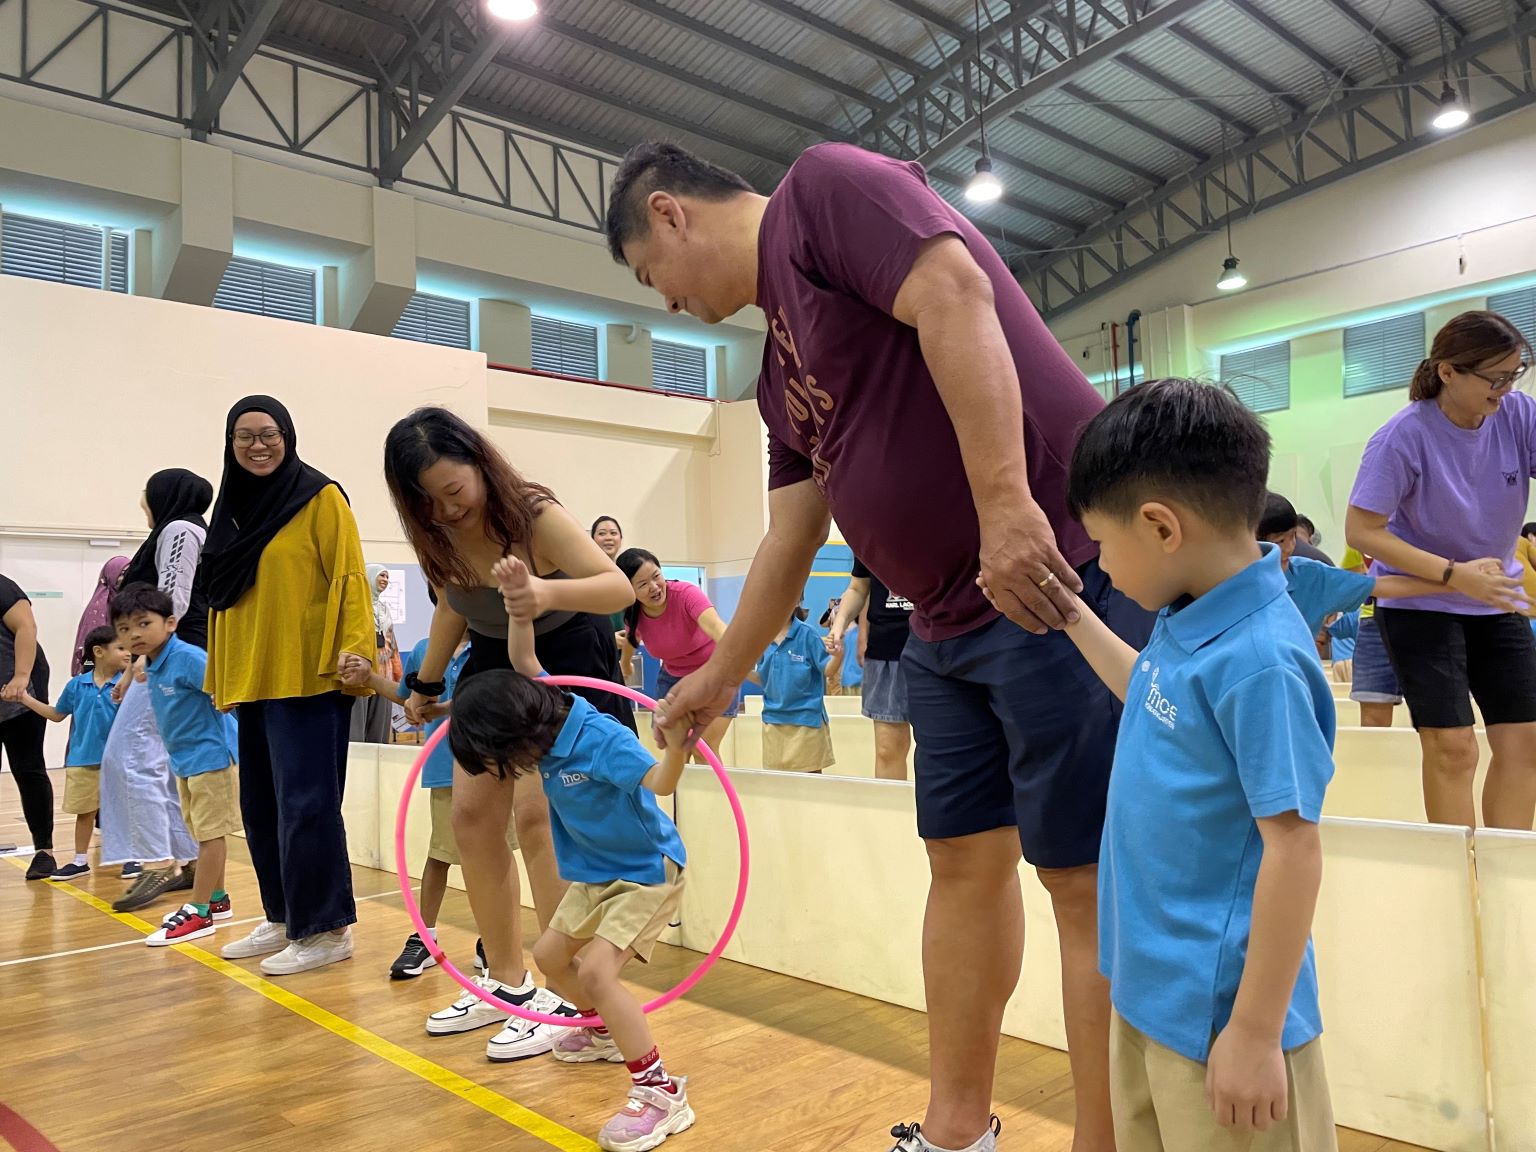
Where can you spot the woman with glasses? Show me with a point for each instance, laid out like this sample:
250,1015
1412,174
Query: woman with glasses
1441,495
283,571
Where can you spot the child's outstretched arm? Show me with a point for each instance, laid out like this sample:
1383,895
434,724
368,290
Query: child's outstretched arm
46,711
663,778
1108,655
358,672
511,576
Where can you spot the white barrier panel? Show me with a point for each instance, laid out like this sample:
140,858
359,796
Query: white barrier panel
1506,877
1396,947
360,805
1379,775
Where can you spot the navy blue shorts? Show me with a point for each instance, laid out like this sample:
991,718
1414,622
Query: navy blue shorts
1017,729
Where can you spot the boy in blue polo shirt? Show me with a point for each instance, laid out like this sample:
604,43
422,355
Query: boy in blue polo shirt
1320,590
620,853
198,743
88,699
1211,859
796,733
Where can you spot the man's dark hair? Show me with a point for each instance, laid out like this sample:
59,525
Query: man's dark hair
137,598
103,637
1172,439
503,718
1279,516
656,166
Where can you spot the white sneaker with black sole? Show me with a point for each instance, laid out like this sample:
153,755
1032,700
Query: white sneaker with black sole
522,1039
469,1011
909,1138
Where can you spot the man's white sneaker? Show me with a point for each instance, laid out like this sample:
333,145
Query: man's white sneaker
521,1038
311,952
265,938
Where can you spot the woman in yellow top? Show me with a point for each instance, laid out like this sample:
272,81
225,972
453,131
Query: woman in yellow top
289,598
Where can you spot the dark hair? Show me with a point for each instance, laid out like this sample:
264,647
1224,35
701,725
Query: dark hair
1467,341
505,719
1279,516
656,166
138,598
1306,523
1172,439
601,520
512,503
630,561
1528,529
102,637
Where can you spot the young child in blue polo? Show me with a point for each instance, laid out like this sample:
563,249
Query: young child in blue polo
620,853
1211,858
87,703
199,742
797,736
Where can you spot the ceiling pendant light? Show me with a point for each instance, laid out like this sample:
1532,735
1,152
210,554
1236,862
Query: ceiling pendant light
1453,113
515,11
984,186
1230,279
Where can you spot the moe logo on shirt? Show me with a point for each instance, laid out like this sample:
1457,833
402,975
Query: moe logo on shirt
571,779
1166,711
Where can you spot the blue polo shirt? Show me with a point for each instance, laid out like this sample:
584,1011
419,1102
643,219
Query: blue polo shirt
793,675
1319,590
91,711
437,772
197,738
605,825
1228,719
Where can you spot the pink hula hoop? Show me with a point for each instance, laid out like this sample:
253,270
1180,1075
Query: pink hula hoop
413,909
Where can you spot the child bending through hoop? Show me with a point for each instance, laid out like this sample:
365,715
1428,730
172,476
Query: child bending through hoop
620,853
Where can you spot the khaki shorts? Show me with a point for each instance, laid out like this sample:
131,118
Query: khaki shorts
1159,1104
791,748
210,803
625,914
82,790
444,847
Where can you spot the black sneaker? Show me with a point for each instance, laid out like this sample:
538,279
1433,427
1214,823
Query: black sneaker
71,871
131,870
188,877
149,887
42,867
414,959
481,967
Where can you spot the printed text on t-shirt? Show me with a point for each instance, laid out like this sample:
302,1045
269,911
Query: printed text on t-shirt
806,403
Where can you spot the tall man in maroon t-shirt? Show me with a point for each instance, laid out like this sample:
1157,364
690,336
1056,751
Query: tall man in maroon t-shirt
911,390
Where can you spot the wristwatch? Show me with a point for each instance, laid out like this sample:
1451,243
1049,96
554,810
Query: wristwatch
425,687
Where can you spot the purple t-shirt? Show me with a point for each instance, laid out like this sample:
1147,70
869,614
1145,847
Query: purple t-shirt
849,400
675,637
1456,492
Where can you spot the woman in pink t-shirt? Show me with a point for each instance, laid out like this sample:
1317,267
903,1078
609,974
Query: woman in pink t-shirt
676,623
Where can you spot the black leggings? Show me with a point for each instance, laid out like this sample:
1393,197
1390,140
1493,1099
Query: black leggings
22,740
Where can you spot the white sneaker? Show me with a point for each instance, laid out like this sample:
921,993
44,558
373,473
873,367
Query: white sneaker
264,938
909,1138
469,1011
521,1038
311,952
650,1116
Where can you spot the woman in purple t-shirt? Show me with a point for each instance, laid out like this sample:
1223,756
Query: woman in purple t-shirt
1441,494
677,624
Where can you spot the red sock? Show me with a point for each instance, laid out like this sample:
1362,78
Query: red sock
649,1072
597,1029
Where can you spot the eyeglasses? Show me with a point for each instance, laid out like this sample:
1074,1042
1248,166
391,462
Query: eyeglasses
1502,380
271,437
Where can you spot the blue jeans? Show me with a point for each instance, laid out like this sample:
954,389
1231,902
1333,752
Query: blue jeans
293,770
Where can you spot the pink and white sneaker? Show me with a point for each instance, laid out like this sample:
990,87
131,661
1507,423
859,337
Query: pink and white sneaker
648,1119
584,1046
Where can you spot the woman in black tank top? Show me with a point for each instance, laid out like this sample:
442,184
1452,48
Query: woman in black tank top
463,507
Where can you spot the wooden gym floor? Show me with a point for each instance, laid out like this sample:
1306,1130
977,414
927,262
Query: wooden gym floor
107,1044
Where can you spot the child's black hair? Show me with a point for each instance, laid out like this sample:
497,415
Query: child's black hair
1173,439
1305,522
1279,517
137,598
103,637
504,719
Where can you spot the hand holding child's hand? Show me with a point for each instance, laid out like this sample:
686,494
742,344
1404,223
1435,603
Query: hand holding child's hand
521,592
354,670
435,711
1245,1080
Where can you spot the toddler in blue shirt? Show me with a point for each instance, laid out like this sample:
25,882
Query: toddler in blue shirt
620,853
87,699
1211,858
796,734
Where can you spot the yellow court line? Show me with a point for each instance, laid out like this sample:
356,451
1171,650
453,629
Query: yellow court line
525,1119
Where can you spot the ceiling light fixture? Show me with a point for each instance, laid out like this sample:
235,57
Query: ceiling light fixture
1453,113
984,186
1231,279
516,11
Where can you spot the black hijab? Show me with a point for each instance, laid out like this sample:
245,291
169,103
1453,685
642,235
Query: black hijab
253,509
173,494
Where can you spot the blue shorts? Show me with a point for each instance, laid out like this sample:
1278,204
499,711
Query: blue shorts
1373,681
665,680
1014,729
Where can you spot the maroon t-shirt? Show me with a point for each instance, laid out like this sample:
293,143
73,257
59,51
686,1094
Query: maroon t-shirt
849,400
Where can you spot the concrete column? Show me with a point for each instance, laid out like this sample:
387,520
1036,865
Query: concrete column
141,262
328,296
375,285
504,332
742,362
193,245
628,354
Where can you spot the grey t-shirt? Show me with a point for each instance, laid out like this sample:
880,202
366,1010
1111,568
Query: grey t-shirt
11,595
